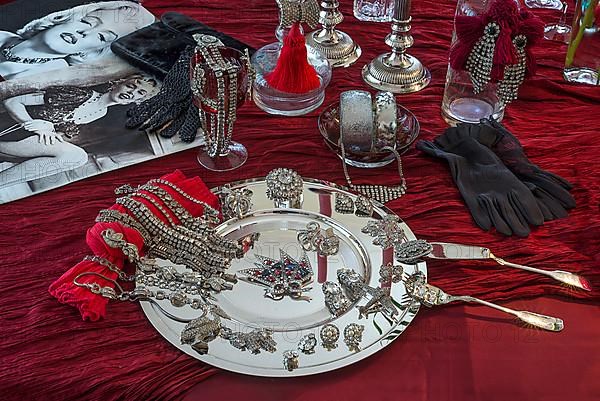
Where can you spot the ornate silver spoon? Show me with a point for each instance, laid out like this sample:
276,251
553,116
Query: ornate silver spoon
411,252
430,295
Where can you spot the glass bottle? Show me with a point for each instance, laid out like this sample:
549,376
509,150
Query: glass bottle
374,10
460,102
582,64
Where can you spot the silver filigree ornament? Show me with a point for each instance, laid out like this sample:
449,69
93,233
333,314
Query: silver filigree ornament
390,273
411,252
324,242
418,289
199,332
355,288
284,187
364,207
307,344
283,277
353,336
255,341
290,360
335,300
386,232
236,202
343,203
329,334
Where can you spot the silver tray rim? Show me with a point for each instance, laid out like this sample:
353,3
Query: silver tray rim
158,319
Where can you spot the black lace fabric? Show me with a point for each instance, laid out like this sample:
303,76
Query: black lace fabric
172,110
551,190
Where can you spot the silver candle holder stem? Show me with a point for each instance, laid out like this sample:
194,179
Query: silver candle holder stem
337,46
397,71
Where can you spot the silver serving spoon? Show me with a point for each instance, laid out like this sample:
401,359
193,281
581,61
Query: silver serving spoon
430,295
411,252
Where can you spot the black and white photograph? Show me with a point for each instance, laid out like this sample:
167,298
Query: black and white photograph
63,126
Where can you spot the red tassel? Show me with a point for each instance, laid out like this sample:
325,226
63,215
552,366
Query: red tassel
533,28
468,32
293,73
505,53
506,11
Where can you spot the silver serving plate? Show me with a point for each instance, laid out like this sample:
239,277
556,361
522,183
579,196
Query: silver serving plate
288,318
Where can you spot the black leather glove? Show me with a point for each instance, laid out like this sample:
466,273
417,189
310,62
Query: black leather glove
550,190
494,196
172,110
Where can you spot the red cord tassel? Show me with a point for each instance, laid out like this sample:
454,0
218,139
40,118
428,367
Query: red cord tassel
293,73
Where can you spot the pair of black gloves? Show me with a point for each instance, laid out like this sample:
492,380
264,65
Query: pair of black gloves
499,184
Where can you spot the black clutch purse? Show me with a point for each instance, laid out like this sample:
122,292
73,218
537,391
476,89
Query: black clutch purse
156,48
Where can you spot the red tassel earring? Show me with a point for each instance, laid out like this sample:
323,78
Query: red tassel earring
293,73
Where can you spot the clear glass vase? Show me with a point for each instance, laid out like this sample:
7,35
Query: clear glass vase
374,10
582,64
460,102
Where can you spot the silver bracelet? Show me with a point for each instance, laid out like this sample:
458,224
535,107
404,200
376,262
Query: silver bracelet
356,121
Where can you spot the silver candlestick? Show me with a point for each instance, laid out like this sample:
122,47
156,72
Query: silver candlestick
397,71
337,46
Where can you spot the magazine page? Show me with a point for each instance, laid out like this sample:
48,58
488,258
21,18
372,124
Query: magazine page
64,95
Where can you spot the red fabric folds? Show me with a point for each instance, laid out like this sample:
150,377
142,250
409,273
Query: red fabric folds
93,306
50,354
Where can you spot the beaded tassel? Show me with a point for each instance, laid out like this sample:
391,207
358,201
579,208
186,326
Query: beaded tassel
481,58
514,74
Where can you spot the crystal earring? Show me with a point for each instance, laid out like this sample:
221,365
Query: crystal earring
480,60
329,336
353,336
514,74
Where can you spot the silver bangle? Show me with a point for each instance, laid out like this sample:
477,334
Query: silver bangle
386,116
356,121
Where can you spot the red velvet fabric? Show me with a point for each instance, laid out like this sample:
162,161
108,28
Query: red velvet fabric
48,353
93,306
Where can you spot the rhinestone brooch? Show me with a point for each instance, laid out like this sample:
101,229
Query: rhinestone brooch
307,344
284,187
329,334
290,360
283,277
335,300
353,336
412,251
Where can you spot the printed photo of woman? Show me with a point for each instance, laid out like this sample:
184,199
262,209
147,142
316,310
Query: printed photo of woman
80,35
47,123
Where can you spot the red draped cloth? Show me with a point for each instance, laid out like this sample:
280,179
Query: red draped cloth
452,353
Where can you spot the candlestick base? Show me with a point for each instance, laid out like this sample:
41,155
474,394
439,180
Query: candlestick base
337,46
395,73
